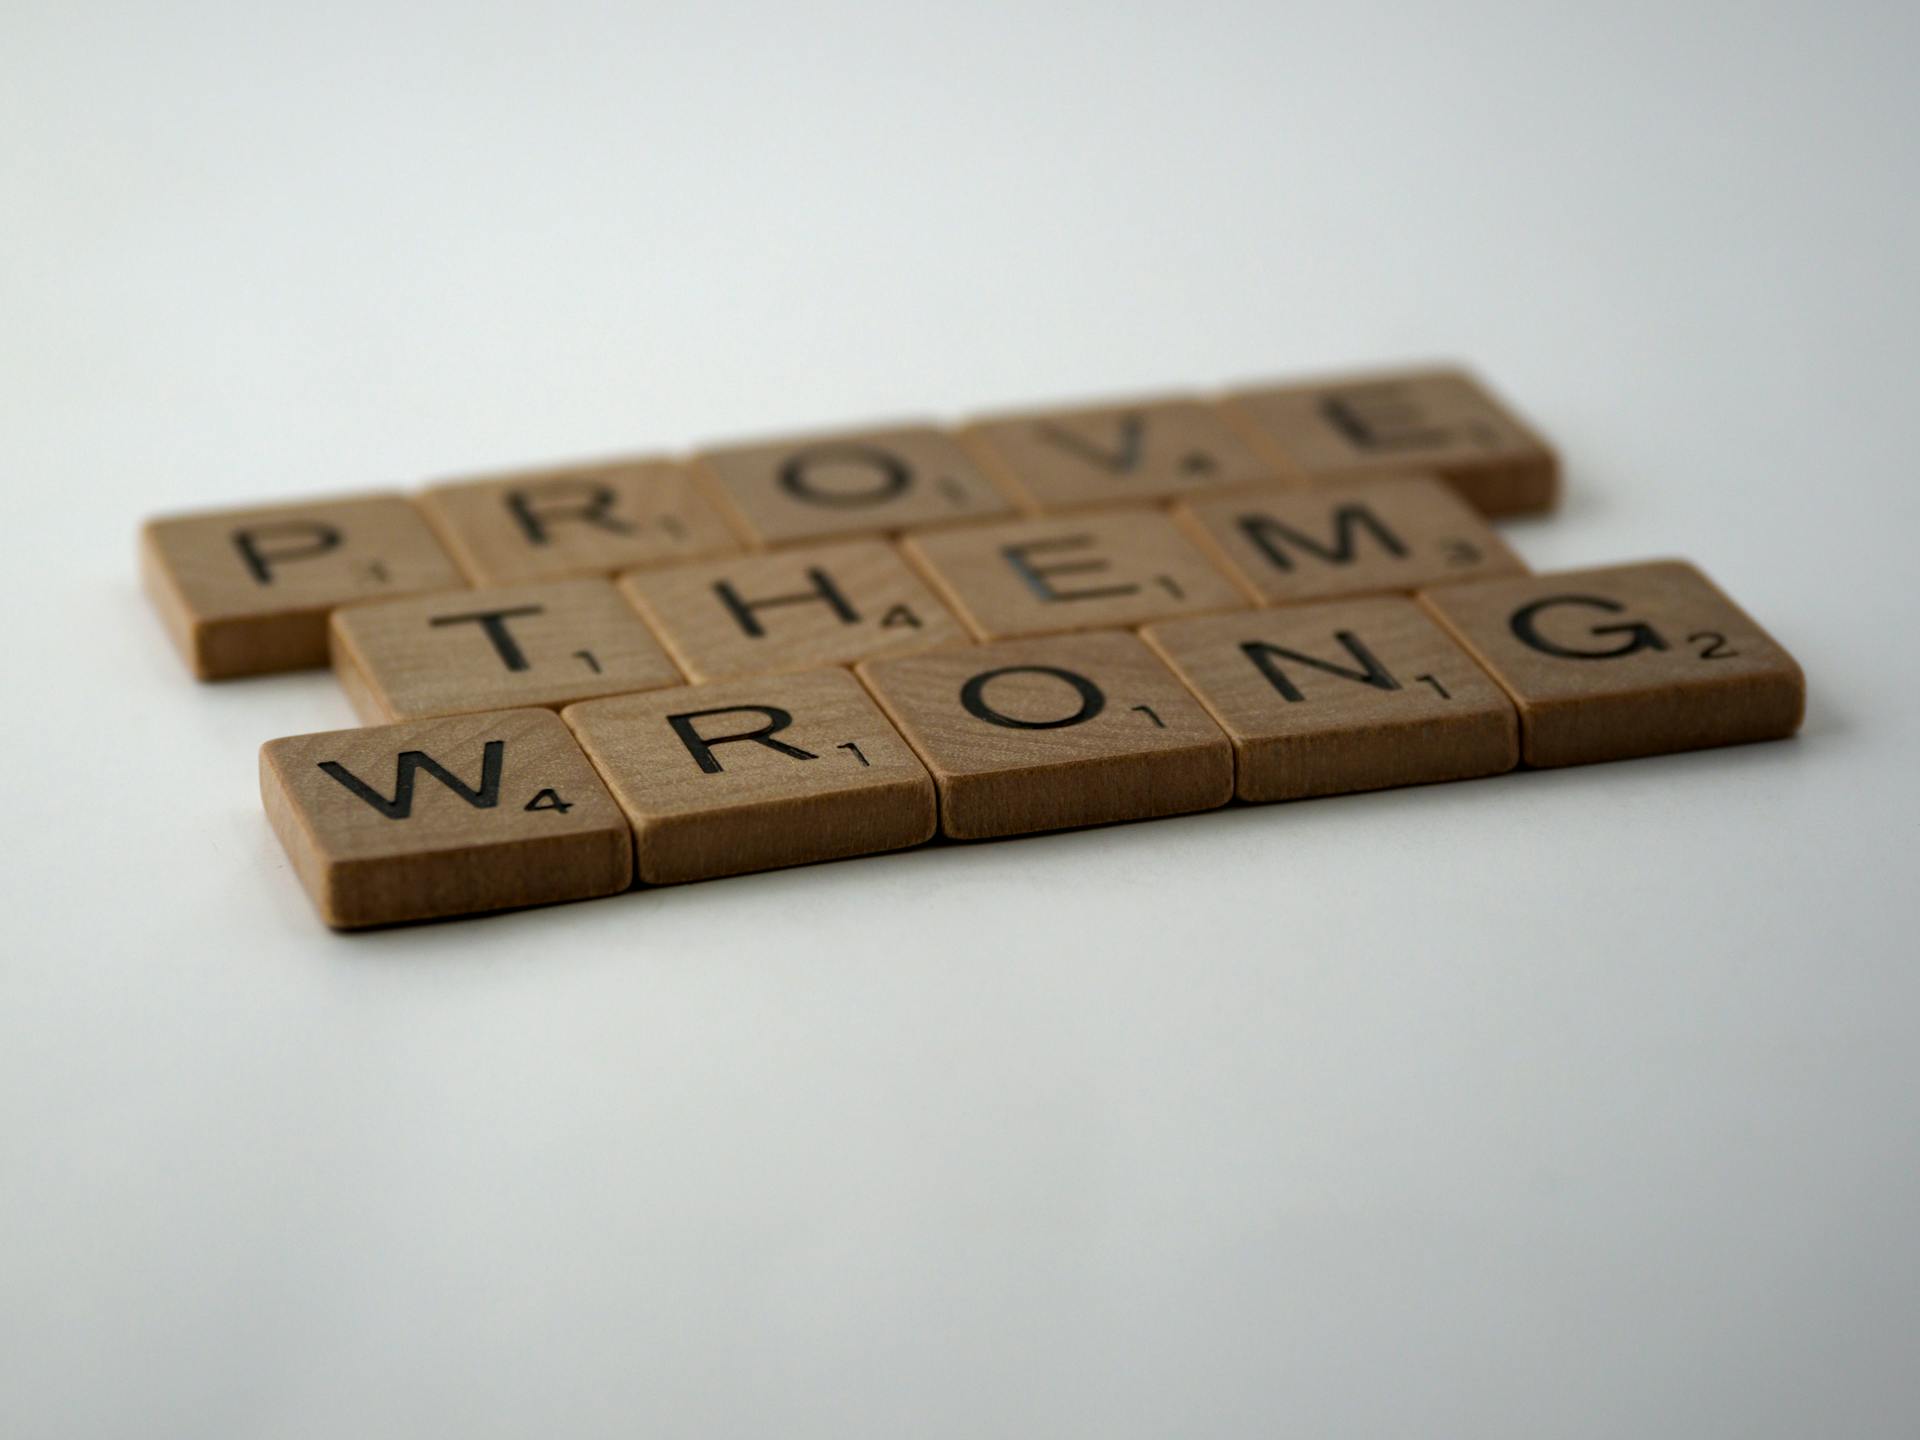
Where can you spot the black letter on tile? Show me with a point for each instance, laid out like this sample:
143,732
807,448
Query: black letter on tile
1036,576
973,698
1637,636
411,763
535,512
1122,460
260,562
1371,671
494,623
1266,533
824,590
702,750
891,476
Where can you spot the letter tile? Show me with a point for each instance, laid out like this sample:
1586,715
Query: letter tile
1442,421
443,817
791,610
868,482
548,643
1344,696
247,591
1078,459
756,774
1031,735
1071,572
594,519
1628,660
1396,534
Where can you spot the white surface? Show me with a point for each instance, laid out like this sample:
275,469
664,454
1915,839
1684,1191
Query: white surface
1578,1103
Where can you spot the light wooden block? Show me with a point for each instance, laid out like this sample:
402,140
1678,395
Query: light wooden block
1030,735
791,610
1439,420
578,520
247,591
549,643
1082,458
444,817
1071,572
1339,697
869,482
756,774
1391,535
1628,660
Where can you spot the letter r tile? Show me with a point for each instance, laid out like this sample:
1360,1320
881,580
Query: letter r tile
756,774
1628,660
1030,735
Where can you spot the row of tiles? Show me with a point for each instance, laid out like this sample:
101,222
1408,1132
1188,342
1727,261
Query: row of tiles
246,590
481,811
555,642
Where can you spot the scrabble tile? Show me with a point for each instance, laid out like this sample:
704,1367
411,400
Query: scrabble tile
1071,572
871,482
791,610
1030,735
247,591
1396,534
1344,696
580,520
548,643
1439,420
756,774
1629,660
1117,454
443,817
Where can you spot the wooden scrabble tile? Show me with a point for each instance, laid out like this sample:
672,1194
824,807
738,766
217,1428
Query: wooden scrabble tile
756,774
1629,660
443,817
1349,695
791,610
581,520
1439,420
1117,454
1071,572
247,591
870,482
1395,534
548,643
1030,735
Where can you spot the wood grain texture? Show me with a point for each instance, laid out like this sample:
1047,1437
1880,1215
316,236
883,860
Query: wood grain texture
247,591
1067,573
1344,696
443,817
1441,420
1029,735
1628,660
549,643
1118,454
806,489
791,610
756,775
1391,535
577,520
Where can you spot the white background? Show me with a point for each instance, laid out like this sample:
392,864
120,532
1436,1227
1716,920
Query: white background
1564,1104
